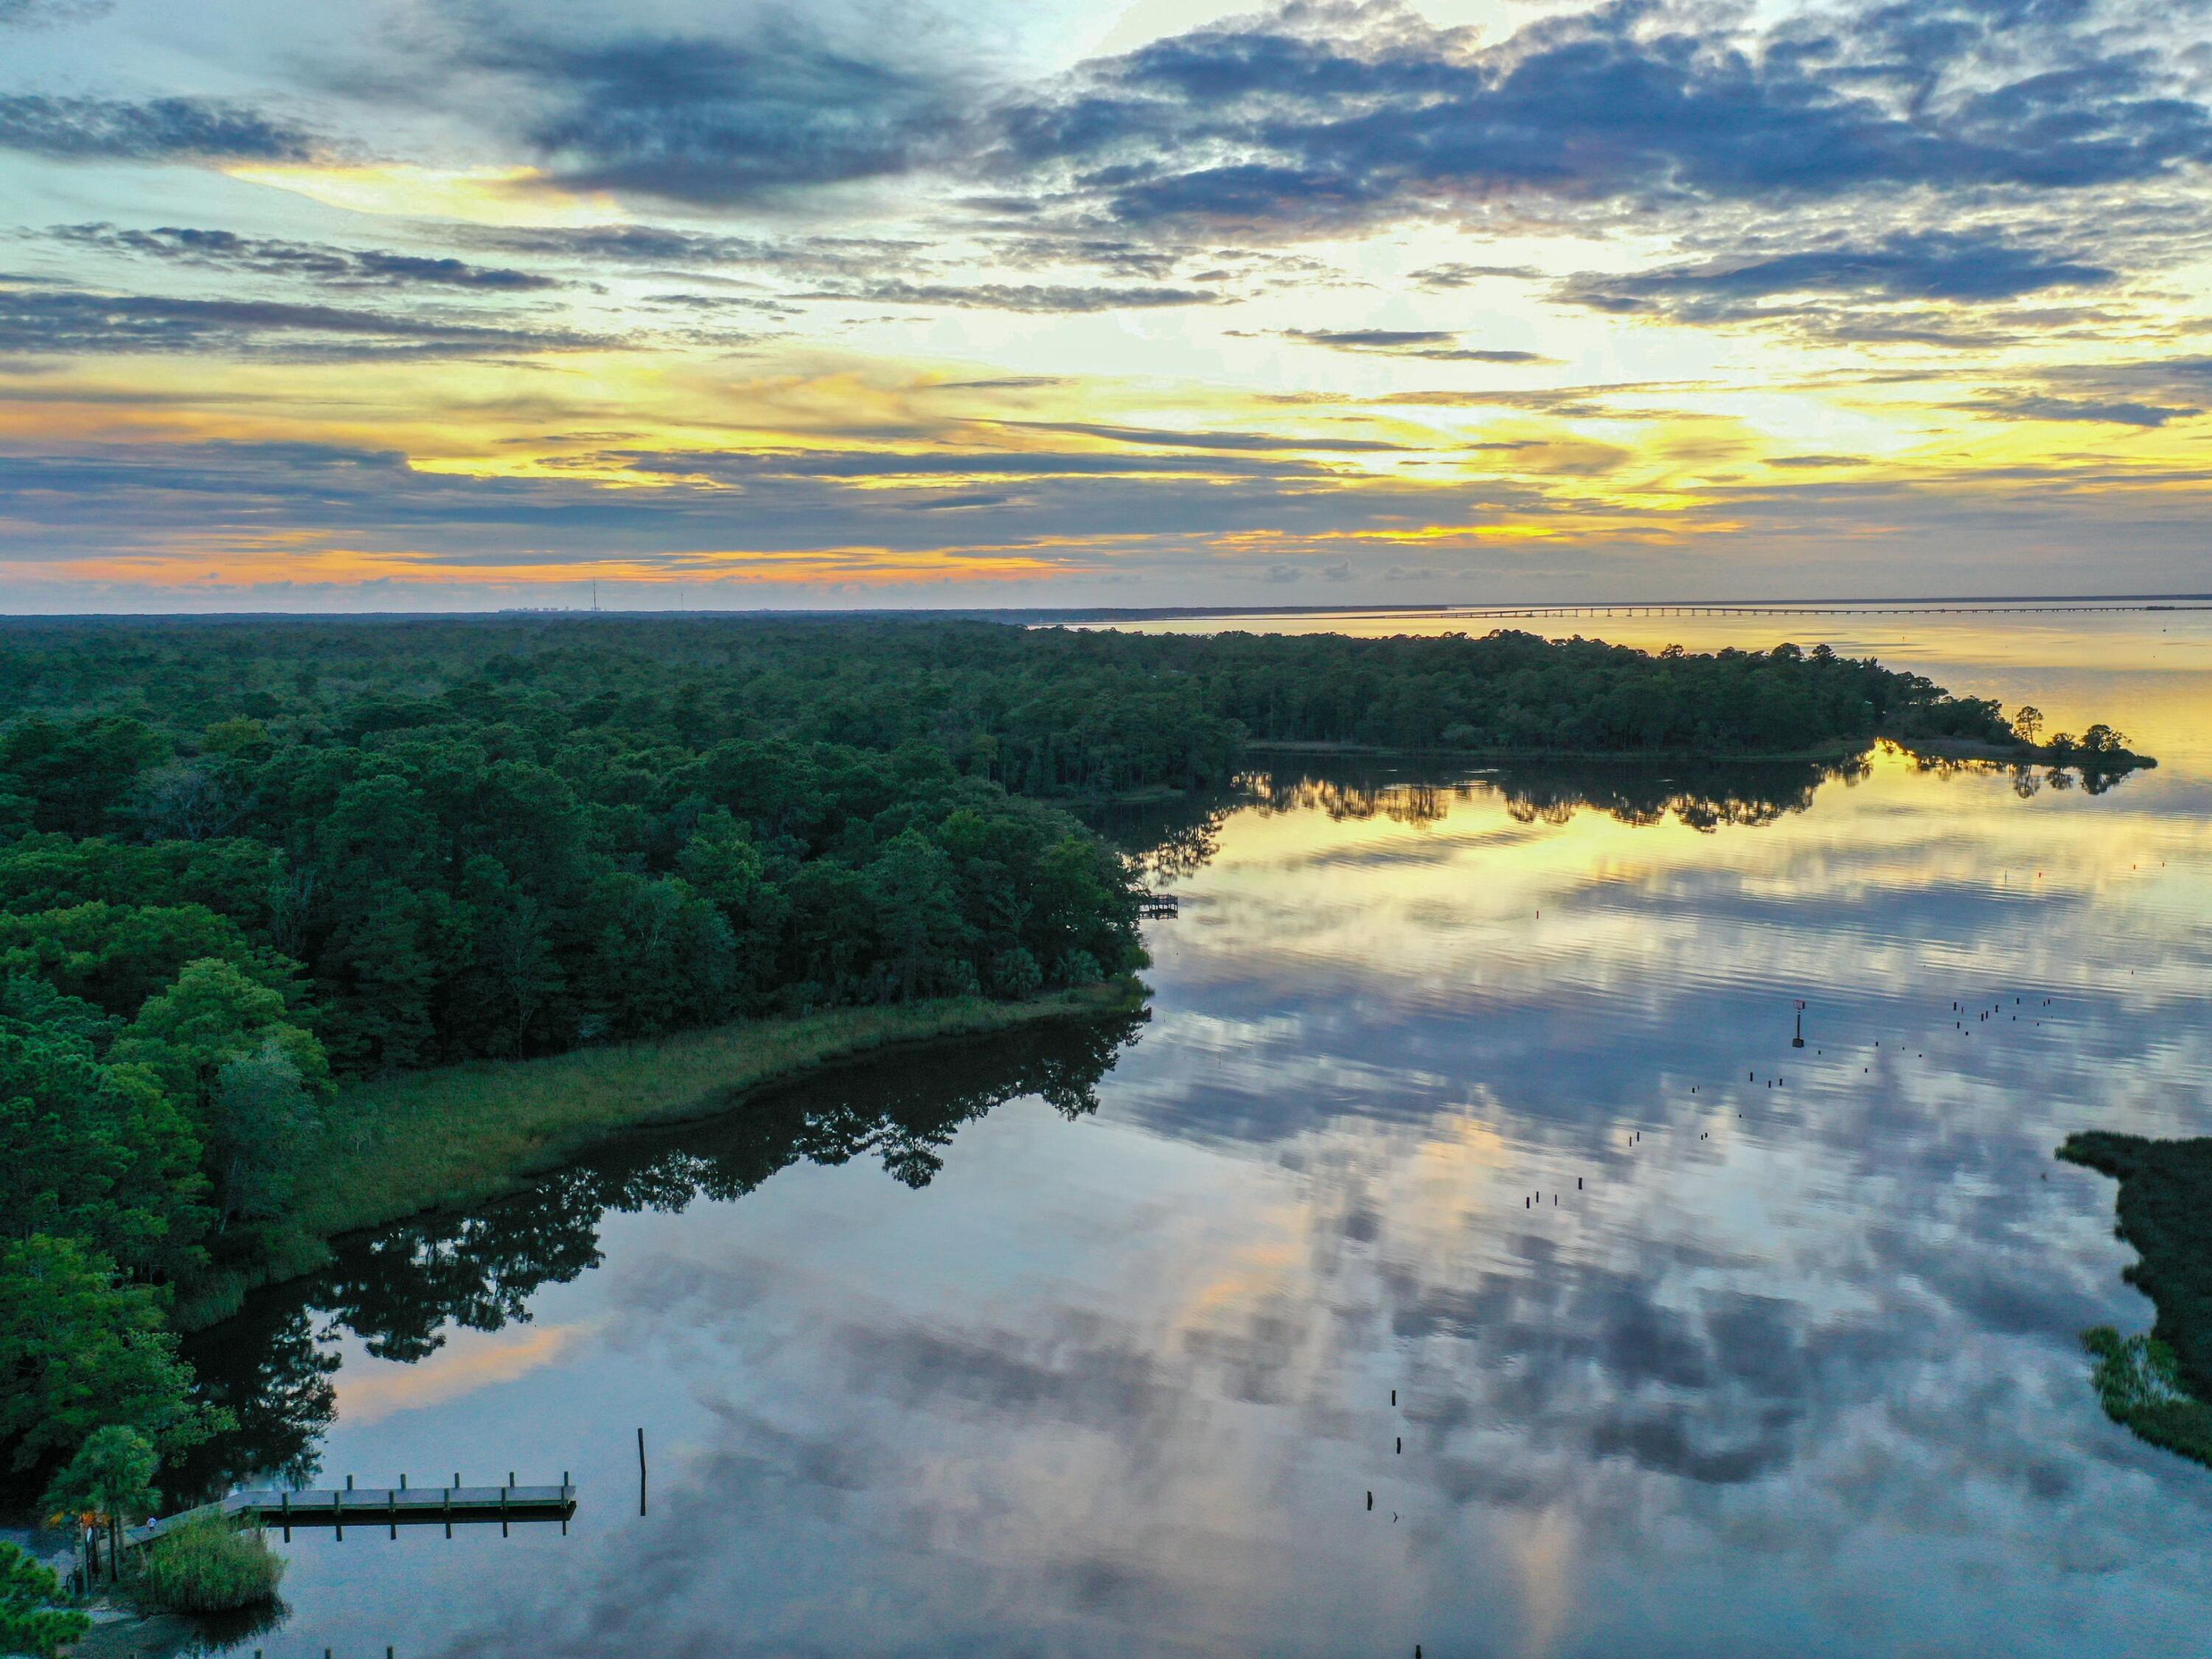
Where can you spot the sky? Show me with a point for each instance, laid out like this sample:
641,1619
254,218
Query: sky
463,304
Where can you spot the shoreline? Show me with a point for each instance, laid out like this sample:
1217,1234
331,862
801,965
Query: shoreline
455,1136
2154,1383
1964,749
1325,746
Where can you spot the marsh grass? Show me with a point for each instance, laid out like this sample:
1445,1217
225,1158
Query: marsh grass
2139,1384
211,1565
462,1133
2159,1384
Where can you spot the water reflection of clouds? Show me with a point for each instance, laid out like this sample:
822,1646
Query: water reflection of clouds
369,1390
1627,1385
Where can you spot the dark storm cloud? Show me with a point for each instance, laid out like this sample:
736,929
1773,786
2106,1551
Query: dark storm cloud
315,262
71,322
1321,114
156,129
1435,345
1963,267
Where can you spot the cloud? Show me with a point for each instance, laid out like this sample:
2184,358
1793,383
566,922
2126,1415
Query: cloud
42,14
2037,407
1435,345
69,322
742,467
1160,437
158,130
1958,266
1036,298
781,105
1319,116
315,262
1466,275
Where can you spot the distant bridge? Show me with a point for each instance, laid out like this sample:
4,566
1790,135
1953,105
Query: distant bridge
1901,608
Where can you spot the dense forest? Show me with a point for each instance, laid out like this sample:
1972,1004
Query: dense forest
242,861
1042,712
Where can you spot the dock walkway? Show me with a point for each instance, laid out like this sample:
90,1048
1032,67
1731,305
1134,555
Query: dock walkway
386,1506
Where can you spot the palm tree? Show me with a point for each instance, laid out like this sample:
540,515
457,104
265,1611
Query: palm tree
109,1482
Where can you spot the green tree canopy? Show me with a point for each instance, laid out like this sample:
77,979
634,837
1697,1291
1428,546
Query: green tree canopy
29,1621
214,1013
81,1349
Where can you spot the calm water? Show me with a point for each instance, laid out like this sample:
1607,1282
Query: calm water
1086,1345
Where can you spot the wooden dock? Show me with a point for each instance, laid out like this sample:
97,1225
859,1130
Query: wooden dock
1158,905
390,1507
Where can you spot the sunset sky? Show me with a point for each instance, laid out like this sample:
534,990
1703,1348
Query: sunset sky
399,304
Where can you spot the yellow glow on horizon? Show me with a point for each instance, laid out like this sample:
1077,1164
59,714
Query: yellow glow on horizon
481,196
297,559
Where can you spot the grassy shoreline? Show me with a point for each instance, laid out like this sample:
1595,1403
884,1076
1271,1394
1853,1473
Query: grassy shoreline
2159,1385
461,1134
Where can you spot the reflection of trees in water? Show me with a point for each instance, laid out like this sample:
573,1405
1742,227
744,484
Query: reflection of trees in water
262,1366
1358,798
1703,797
401,1288
1746,794
2026,781
1174,835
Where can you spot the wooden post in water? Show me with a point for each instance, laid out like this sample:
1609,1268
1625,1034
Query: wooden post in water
640,1469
